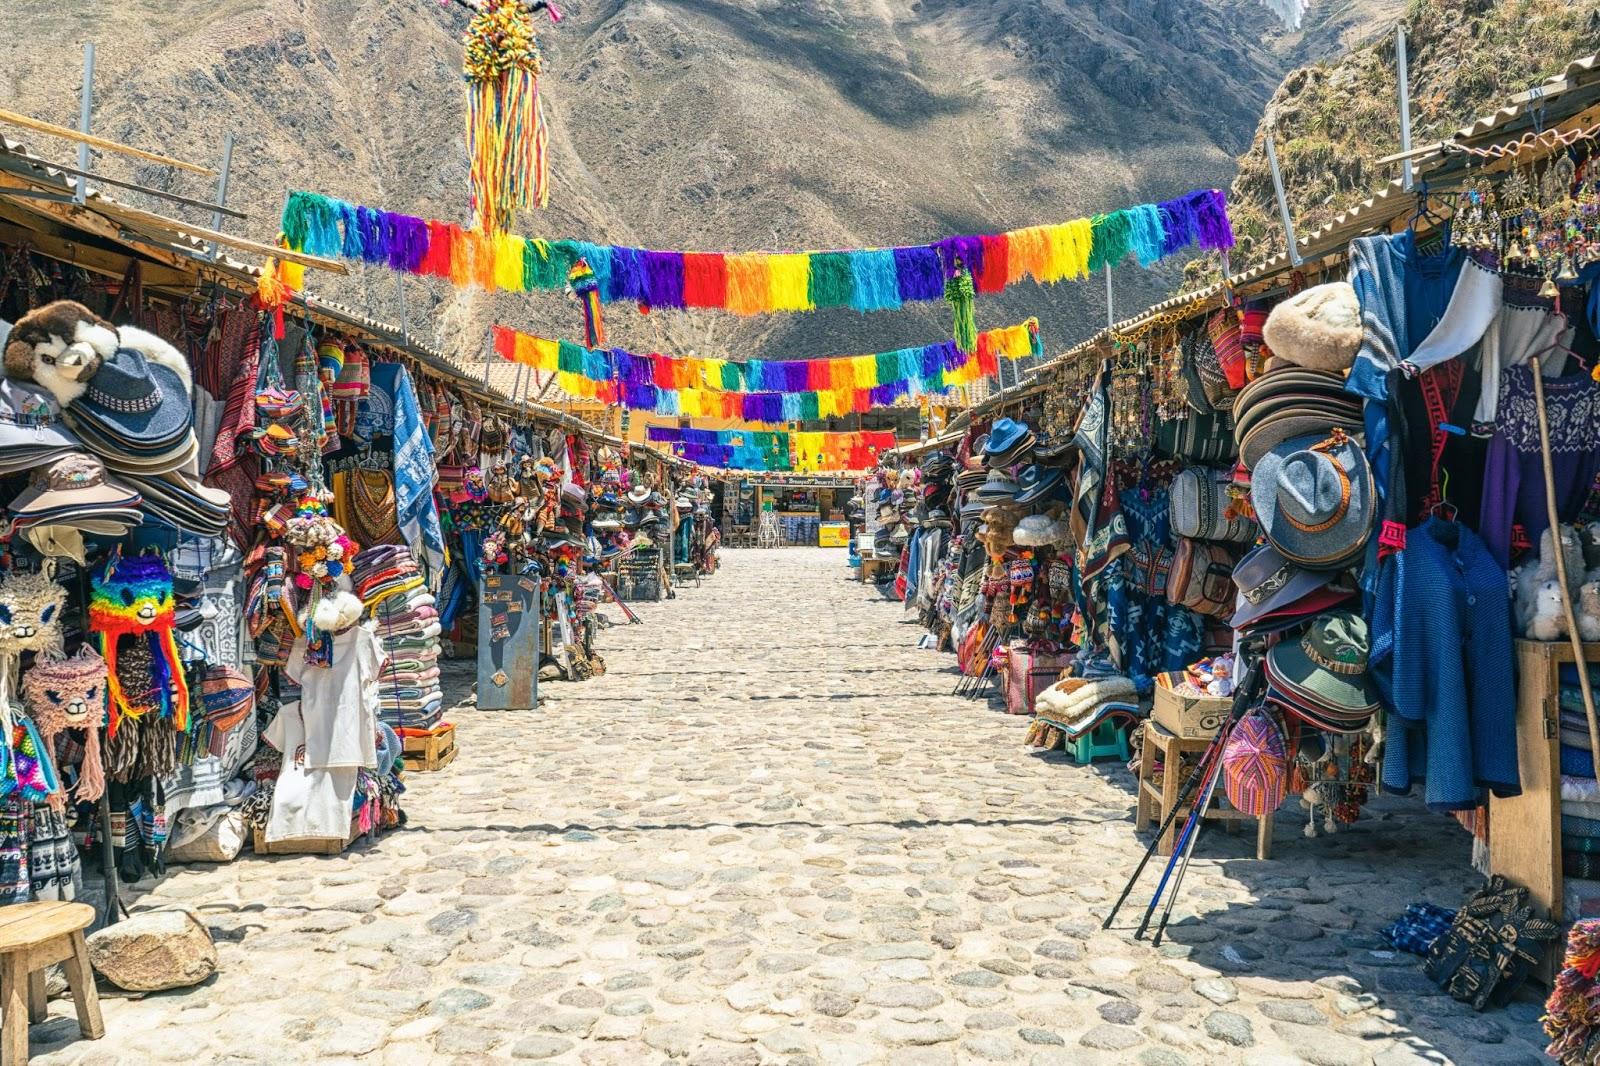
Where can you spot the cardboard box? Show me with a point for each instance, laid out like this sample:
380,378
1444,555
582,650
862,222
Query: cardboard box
1188,717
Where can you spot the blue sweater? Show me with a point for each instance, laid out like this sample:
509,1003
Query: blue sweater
1442,658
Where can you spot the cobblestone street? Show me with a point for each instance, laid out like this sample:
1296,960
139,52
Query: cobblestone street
770,834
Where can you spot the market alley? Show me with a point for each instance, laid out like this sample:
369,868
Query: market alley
771,834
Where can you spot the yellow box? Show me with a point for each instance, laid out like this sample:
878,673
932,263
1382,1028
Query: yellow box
833,535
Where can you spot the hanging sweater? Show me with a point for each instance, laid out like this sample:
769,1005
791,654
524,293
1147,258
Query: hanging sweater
1441,656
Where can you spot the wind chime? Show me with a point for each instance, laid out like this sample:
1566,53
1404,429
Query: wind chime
507,139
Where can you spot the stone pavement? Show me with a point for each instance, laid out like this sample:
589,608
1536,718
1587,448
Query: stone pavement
771,835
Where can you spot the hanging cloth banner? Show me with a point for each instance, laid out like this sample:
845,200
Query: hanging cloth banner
870,279
745,449
765,390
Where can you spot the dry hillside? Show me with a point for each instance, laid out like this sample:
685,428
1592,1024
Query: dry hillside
730,124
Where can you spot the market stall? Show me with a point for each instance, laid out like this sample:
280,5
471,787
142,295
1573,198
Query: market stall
1265,533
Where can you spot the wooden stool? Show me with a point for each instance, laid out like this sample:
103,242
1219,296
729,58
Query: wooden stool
33,936
1155,802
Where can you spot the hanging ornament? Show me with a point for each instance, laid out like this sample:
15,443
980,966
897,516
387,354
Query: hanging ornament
507,140
959,294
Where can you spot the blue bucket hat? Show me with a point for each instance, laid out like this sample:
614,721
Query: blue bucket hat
1314,498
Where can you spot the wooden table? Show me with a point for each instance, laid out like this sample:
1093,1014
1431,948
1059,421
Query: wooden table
1155,801
32,937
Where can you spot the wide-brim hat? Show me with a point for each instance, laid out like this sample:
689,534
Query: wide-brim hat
1018,453
997,488
973,508
1004,435
1267,582
1298,613
1287,402
938,464
32,430
73,482
135,400
1059,452
1035,482
1327,667
968,480
1315,500
638,495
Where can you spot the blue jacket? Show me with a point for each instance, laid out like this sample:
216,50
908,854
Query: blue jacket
1442,658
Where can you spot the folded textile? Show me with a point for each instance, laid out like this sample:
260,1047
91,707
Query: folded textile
1070,697
1417,929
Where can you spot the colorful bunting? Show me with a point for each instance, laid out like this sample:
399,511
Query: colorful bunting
872,279
747,449
763,390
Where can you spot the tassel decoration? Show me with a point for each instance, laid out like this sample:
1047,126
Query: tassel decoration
507,140
586,288
958,293
873,279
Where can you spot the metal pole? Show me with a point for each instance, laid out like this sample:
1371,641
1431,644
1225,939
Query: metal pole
1407,175
85,114
222,190
1111,312
400,294
1283,201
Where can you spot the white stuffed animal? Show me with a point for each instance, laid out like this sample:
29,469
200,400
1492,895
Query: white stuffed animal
1589,536
63,344
1571,549
1588,611
1549,621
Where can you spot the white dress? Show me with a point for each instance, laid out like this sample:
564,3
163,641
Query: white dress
325,737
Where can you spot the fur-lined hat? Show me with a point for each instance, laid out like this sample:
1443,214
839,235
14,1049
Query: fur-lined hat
1319,328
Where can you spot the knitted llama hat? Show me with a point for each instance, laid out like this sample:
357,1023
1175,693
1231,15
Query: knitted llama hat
30,613
71,694
133,599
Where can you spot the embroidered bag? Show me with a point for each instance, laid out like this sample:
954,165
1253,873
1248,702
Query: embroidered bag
1255,765
1199,505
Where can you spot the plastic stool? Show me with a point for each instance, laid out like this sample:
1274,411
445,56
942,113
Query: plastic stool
1107,738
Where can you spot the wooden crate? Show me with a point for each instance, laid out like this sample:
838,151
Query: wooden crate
432,752
1527,847
1155,801
302,845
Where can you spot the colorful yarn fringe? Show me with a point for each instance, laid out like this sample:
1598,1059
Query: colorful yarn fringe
765,390
744,449
871,279
586,289
508,143
1572,1013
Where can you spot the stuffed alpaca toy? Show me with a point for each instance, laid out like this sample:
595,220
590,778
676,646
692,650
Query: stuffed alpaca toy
1549,620
1589,537
61,345
1571,550
1588,611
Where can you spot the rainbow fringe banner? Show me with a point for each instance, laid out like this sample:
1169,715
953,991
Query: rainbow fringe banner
745,449
765,390
873,279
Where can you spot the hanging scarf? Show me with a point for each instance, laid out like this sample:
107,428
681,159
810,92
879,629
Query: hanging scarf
414,471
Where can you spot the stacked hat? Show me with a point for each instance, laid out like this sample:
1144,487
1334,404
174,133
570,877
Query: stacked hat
1277,594
1058,452
135,413
1322,678
1008,442
32,430
1037,483
1289,402
178,498
75,492
1315,499
407,621
998,488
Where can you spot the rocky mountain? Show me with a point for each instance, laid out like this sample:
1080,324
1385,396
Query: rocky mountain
1335,119
702,124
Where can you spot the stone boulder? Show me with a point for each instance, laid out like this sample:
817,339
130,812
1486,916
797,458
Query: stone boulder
154,950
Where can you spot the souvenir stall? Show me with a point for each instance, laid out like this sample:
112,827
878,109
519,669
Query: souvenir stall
1314,534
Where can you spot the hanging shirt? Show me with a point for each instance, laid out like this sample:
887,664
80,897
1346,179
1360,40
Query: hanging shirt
336,719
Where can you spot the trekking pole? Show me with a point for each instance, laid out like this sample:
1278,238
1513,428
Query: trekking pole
1183,867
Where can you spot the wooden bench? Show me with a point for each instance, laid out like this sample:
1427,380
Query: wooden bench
32,937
